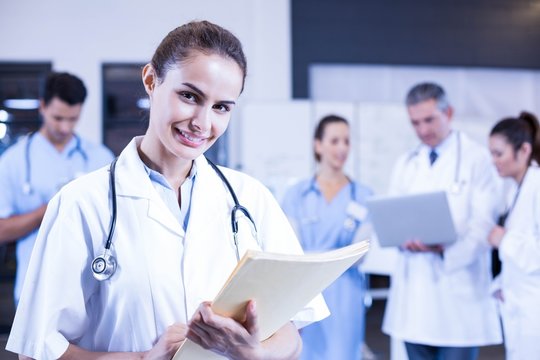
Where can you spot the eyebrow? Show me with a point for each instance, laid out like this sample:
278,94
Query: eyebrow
201,93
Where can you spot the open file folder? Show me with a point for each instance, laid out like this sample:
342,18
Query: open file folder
280,284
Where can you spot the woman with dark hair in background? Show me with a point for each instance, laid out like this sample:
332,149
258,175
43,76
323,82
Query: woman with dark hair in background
328,212
515,147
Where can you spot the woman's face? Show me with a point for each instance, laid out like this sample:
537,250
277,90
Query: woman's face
191,108
508,162
333,148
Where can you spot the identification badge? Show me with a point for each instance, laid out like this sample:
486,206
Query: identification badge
357,211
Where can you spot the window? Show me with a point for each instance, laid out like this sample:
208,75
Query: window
19,94
125,105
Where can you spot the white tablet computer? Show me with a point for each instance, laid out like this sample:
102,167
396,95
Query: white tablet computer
425,217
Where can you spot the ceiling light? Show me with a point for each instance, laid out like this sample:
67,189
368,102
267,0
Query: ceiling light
4,116
22,104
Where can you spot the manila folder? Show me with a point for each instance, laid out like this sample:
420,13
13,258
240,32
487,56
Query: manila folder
281,286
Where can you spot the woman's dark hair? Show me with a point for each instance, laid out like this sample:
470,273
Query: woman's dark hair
520,130
323,123
202,36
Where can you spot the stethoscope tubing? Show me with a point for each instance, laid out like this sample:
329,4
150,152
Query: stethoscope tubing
109,261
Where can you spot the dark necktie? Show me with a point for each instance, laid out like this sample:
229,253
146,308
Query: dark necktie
432,156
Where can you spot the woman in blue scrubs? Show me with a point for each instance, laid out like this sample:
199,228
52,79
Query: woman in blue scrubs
328,212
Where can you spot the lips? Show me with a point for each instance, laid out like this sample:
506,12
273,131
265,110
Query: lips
189,139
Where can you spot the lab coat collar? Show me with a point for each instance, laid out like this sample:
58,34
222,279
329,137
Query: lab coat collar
132,180
443,146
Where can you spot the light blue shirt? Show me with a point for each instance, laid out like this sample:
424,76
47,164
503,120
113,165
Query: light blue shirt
48,171
167,194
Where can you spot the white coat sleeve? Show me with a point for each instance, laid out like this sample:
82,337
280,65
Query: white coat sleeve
480,208
52,310
521,245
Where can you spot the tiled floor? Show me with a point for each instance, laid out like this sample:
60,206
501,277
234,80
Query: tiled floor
376,340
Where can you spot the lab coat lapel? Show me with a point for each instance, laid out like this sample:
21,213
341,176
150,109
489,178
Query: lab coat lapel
133,181
209,250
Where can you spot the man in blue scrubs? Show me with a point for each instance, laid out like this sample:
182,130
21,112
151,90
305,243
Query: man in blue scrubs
38,165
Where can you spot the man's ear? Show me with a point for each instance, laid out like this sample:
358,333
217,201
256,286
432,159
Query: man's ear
149,79
41,106
450,112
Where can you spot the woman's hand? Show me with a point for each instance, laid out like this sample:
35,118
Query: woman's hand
496,235
226,336
168,343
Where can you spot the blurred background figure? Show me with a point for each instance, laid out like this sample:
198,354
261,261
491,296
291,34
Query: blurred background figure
328,212
515,147
439,302
39,164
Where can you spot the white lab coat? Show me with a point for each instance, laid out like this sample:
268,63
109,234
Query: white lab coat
520,277
445,301
163,273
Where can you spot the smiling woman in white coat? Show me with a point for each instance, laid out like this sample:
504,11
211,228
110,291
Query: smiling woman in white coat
439,302
515,147
128,256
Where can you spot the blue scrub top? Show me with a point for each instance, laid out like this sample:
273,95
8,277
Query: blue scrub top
321,226
49,171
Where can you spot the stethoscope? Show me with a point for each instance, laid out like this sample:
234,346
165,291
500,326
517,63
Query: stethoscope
351,222
457,185
27,185
501,221
104,265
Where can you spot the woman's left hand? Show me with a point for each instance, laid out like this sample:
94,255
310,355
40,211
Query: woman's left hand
226,336
496,235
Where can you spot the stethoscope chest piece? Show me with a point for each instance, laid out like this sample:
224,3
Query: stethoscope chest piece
26,188
455,189
103,266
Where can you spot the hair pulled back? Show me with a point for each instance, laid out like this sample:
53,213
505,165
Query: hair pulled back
520,130
201,36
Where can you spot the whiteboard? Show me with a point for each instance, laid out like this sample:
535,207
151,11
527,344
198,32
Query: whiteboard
385,132
276,143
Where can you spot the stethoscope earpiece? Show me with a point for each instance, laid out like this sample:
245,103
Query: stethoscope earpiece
103,266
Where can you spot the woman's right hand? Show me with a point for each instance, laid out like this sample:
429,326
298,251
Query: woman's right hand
168,343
